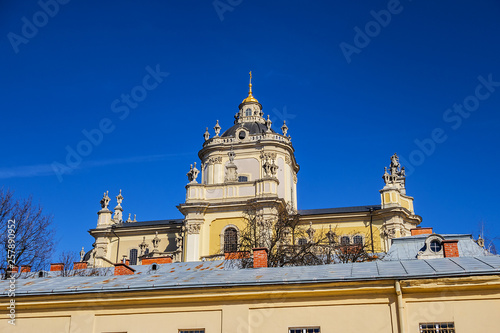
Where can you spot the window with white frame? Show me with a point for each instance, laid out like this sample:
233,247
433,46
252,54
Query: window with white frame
437,328
357,240
304,330
345,240
230,240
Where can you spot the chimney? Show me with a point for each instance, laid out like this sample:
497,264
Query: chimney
123,269
56,267
156,260
25,269
79,265
450,248
421,231
260,257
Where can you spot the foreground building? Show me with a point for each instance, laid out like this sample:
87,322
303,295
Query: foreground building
247,165
450,294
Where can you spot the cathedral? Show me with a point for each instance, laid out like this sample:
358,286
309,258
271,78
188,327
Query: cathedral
248,164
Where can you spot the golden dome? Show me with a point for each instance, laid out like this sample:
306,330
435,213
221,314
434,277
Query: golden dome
250,97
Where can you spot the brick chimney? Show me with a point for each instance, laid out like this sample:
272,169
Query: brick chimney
156,260
56,267
450,248
25,268
421,231
259,257
79,265
123,269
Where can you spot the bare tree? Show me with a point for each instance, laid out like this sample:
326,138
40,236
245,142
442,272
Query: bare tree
291,243
27,236
67,258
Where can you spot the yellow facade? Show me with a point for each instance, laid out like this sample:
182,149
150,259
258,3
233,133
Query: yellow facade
471,303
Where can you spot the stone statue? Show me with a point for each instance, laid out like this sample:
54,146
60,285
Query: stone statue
193,173
143,246
105,200
284,128
268,124
395,164
206,135
396,174
82,254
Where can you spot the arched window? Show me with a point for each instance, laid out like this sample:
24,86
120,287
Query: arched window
230,240
133,257
358,240
345,240
248,112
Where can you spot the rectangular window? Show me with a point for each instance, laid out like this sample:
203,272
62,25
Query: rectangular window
242,179
437,328
198,330
304,330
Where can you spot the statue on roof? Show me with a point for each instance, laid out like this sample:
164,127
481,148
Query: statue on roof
105,200
396,174
193,173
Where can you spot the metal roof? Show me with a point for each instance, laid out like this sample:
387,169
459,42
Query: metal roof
218,274
404,248
353,209
251,127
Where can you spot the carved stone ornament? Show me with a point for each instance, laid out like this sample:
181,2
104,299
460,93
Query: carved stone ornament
331,235
155,242
267,155
390,233
193,228
215,160
217,128
178,241
206,135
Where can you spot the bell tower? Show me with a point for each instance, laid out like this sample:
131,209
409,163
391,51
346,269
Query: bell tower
248,164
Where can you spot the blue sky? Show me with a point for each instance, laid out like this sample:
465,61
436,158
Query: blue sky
355,81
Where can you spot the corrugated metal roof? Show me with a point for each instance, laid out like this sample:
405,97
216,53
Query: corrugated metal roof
220,274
